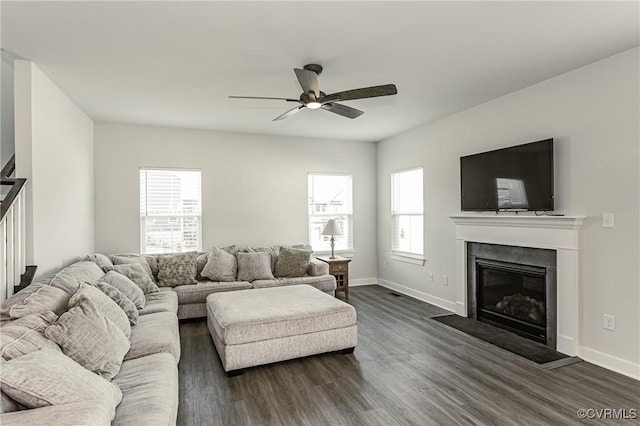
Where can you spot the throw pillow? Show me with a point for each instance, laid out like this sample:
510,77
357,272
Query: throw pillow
121,300
127,287
104,304
138,275
99,259
254,266
128,260
48,377
90,339
44,298
177,269
221,266
201,260
292,262
273,253
26,335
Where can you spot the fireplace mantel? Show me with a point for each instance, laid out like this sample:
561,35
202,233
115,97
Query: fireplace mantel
560,233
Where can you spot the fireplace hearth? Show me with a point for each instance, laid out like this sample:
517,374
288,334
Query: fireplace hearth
513,288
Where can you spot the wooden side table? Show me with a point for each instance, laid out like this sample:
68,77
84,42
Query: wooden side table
339,268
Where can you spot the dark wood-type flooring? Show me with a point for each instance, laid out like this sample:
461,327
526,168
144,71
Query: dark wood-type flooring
406,370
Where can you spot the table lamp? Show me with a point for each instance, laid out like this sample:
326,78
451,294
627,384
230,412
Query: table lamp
332,228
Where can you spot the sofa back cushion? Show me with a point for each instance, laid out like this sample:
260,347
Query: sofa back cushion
26,335
38,297
102,260
127,306
70,278
127,287
146,261
136,273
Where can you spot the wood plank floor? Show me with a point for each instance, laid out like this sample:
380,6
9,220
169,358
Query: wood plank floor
406,370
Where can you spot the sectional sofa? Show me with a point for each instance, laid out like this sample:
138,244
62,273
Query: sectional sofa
148,376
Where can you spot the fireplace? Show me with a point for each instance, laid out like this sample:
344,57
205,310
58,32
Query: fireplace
513,288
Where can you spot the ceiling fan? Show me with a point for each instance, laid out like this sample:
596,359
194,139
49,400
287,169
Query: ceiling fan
313,98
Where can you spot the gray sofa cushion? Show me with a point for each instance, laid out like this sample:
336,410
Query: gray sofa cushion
49,377
102,260
220,266
26,335
177,269
104,304
129,259
292,262
201,260
272,251
90,339
138,275
150,391
121,300
38,297
254,266
127,287
325,283
197,293
155,333
70,278
95,413
166,300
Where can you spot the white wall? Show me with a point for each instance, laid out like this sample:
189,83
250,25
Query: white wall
254,187
7,147
54,151
592,113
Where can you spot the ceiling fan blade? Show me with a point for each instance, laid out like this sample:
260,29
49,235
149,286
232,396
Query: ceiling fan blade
365,92
288,113
343,110
262,97
308,81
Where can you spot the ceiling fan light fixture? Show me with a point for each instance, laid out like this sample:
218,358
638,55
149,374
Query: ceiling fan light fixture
314,105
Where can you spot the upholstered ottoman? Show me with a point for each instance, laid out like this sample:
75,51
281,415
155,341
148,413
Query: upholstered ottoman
261,326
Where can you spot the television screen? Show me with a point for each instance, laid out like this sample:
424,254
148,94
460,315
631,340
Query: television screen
515,178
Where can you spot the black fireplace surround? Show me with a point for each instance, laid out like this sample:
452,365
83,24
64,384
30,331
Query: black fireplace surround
513,288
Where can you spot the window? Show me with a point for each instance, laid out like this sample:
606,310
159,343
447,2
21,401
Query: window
407,212
330,197
170,211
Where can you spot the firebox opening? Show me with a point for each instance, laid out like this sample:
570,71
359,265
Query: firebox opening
512,296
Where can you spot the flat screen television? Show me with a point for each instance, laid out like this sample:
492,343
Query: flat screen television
514,178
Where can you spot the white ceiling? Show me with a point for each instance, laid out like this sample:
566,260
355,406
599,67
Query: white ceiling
176,63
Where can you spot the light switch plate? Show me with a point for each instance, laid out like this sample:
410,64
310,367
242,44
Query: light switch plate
607,220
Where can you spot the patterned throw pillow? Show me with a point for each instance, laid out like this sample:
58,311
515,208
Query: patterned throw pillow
104,304
221,266
49,377
138,275
177,269
119,297
90,339
127,287
292,262
254,266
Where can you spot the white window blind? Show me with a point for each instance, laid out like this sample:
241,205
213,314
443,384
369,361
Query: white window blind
330,197
170,211
407,212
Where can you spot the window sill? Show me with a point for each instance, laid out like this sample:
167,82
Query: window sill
414,259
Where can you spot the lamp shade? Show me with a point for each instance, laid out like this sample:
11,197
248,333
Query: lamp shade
332,228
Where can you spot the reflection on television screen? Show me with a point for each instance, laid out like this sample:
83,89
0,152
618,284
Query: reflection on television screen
511,194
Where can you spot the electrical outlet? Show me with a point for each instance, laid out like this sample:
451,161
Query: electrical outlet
430,276
445,280
609,322
607,220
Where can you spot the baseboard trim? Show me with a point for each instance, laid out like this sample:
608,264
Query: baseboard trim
611,362
434,300
363,281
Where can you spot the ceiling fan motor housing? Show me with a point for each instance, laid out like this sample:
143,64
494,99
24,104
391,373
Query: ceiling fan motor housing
313,67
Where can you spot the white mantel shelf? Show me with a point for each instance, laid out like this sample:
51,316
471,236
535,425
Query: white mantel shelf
519,220
560,233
